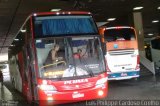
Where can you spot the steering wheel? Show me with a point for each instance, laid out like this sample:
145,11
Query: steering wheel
56,63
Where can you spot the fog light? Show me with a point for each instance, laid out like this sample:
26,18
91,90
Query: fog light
100,93
50,99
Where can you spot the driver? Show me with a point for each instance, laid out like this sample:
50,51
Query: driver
56,54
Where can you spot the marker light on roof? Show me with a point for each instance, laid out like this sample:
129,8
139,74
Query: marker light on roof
118,27
53,10
57,13
34,14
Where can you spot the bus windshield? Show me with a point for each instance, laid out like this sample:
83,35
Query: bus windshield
64,25
69,57
117,34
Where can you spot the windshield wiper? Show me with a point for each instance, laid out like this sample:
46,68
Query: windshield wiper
86,67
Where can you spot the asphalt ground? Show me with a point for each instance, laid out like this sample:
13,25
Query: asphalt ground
142,91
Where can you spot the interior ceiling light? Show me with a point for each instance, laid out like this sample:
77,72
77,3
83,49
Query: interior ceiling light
137,8
155,21
158,8
111,19
150,34
23,30
16,39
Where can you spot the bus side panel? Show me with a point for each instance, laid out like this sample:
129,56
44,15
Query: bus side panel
15,73
22,72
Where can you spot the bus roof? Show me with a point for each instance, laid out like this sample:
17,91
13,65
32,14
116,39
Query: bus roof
61,13
116,27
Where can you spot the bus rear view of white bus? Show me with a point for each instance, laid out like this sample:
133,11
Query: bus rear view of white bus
122,55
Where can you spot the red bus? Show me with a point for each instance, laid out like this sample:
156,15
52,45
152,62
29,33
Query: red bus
56,57
122,54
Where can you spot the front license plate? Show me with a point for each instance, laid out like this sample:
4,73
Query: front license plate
78,95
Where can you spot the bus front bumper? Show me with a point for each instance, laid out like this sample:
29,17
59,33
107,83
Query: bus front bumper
51,98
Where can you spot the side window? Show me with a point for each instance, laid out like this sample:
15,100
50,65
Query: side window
17,44
38,28
156,44
29,41
109,38
22,42
119,34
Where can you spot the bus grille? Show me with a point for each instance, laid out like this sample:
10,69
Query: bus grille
77,86
122,52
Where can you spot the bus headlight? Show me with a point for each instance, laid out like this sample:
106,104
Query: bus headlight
101,82
50,100
100,93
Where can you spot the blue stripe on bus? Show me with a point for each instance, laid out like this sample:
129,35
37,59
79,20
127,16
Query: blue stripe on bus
115,75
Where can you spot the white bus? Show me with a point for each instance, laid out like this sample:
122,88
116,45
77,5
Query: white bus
122,54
